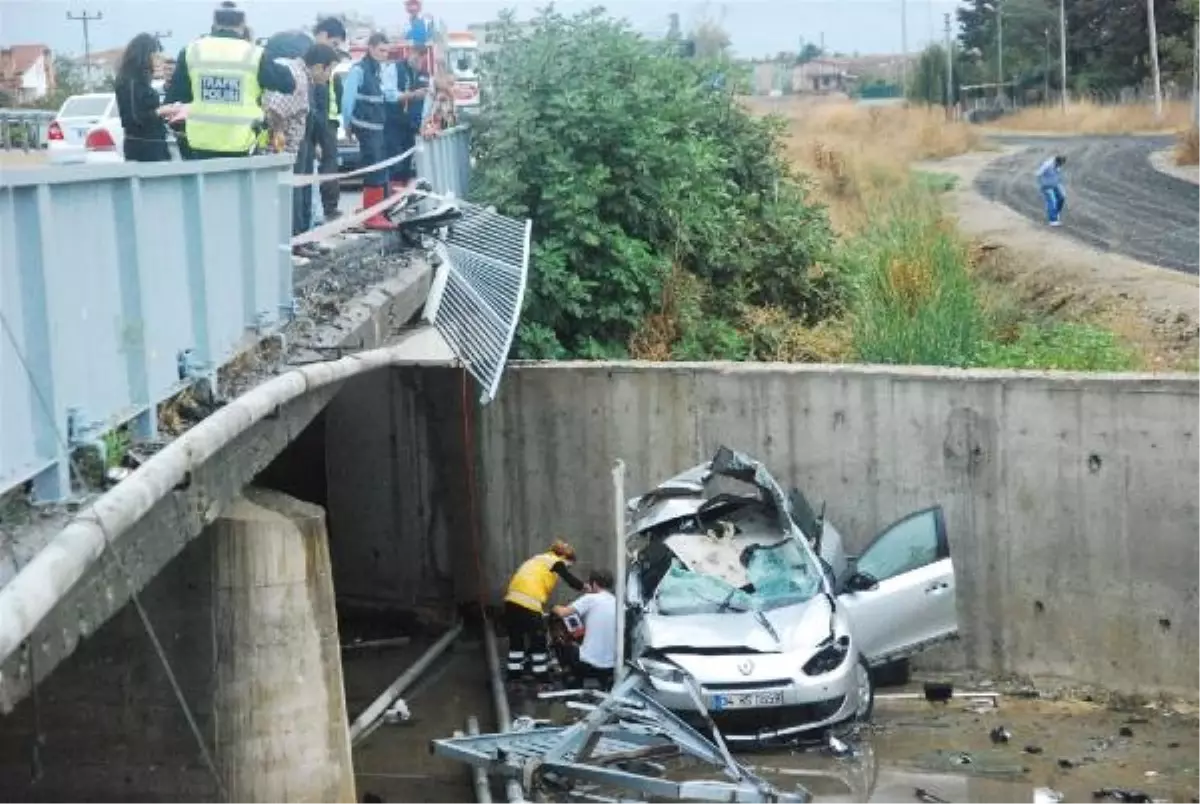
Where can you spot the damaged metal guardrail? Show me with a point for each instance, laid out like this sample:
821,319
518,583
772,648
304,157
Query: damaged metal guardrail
475,302
612,748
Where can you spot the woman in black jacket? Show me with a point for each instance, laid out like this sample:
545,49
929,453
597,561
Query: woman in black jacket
139,102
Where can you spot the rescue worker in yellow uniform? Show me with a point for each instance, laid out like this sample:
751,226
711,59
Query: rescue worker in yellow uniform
529,591
220,76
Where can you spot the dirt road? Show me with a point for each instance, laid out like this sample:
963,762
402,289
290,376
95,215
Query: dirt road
1116,200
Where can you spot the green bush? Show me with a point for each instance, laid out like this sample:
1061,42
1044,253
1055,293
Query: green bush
631,165
1063,346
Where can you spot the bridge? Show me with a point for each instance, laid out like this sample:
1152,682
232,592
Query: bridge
210,453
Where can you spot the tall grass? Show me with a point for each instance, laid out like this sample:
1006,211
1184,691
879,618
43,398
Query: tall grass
1187,147
915,300
1085,117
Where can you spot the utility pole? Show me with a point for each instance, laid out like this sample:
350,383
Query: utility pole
1158,105
85,18
949,69
1046,73
161,35
999,51
1062,52
903,49
1196,73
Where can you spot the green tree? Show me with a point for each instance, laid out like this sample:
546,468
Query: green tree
808,53
634,170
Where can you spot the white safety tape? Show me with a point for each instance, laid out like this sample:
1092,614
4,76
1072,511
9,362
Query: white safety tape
309,179
347,221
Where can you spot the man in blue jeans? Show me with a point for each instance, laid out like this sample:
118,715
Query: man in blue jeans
1049,177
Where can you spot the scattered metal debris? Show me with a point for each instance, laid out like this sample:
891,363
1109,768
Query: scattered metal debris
1120,794
929,798
1000,735
627,726
1033,749
1046,795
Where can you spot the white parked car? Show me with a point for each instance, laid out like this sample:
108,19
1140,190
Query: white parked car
67,135
750,594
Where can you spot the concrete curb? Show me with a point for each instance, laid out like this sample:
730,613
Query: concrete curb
1164,162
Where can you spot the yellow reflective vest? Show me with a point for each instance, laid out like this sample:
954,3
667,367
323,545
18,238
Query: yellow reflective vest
225,94
533,582
333,106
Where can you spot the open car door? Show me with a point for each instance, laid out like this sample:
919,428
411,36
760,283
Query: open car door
899,595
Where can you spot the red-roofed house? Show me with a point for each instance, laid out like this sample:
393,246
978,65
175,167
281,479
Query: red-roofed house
26,72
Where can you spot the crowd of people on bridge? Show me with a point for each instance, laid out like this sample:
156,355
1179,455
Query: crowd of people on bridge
233,96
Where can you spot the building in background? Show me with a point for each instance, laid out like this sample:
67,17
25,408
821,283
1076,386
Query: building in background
26,72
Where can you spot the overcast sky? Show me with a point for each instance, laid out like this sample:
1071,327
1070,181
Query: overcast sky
757,27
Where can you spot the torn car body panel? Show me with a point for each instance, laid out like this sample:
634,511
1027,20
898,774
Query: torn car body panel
749,591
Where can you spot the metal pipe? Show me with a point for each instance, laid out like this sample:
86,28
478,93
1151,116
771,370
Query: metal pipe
512,788
375,711
483,790
49,576
618,478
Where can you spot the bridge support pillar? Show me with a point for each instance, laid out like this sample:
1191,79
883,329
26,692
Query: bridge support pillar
281,730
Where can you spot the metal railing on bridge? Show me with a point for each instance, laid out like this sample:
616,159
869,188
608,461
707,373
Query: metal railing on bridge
122,284
25,129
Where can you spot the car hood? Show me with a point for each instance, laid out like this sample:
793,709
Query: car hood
798,626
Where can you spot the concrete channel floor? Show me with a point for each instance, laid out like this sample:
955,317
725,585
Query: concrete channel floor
1084,746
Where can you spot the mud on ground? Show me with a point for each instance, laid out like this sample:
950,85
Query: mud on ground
1155,309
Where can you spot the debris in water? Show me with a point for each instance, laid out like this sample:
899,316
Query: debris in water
1033,749
1046,795
1173,744
1125,731
397,712
930,798
838,747
963,758
938,691
1000,735
1066,764
1121,795
1150,774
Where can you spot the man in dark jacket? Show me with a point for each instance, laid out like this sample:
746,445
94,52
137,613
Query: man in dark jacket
229,23
325,114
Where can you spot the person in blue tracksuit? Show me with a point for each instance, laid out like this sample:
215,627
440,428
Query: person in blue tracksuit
1049,176
364,116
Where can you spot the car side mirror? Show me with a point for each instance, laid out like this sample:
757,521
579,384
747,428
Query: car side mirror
860,581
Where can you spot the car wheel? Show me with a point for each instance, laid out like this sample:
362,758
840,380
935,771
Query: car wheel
863,692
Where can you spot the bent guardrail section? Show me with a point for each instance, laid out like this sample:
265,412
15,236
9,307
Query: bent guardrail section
445,161
122,284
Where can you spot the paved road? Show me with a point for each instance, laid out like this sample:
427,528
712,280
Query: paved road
1116,200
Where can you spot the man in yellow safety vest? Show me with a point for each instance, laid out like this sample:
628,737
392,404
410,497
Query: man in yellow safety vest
529,591
221,76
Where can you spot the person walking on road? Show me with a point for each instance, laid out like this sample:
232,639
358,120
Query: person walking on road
364,115
221,76
138,102
1049,177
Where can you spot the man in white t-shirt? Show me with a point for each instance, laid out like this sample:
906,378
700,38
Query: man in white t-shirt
598,609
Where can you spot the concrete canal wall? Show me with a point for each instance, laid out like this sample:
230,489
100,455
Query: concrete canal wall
1071,500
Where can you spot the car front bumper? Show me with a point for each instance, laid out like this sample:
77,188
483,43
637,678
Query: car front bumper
809,703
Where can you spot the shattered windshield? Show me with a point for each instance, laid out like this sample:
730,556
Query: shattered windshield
778,575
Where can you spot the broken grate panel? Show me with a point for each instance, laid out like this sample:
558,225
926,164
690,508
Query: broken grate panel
475,301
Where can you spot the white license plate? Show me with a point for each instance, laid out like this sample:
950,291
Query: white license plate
745,700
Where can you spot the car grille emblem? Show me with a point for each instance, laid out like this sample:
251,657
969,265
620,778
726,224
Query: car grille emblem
746,667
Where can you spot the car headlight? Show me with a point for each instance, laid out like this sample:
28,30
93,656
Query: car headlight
663,671
828,658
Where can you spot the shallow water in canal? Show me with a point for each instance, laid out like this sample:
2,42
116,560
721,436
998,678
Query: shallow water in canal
910,744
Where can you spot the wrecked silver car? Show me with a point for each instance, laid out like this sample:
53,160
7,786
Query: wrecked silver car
749,591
